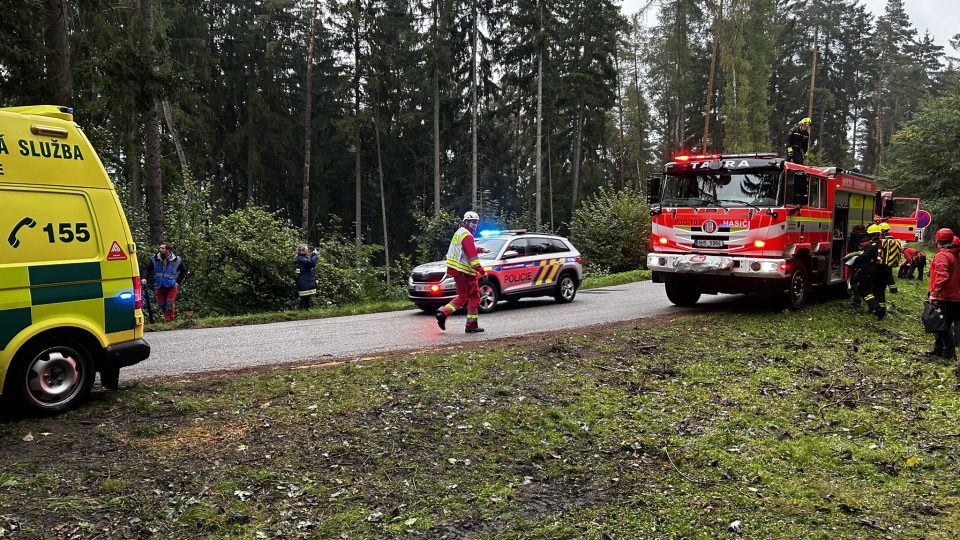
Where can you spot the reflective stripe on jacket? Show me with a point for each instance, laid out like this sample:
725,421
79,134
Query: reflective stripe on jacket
890,252
462,253
165,275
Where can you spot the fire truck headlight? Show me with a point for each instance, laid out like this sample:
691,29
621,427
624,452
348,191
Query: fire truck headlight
770,267
759,244
663,240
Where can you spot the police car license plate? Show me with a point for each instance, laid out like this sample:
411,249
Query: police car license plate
421,287
708,243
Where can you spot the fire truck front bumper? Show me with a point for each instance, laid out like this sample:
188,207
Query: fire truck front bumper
718,265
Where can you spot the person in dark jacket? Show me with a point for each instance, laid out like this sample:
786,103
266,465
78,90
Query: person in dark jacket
945,293
873,285
167,272
856,265
306,272
798,141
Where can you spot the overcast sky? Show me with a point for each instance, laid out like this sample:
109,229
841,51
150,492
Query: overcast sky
940,17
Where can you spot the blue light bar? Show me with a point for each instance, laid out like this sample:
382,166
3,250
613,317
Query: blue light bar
126,296
489,232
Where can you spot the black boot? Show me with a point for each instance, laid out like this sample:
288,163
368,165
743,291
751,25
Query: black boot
473,329
442,320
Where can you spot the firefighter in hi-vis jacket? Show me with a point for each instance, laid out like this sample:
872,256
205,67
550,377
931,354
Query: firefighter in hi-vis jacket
891,252
464,265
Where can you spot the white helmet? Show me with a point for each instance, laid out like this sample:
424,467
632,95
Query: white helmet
471,216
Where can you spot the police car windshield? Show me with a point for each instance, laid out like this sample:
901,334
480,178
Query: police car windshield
722,188
491,244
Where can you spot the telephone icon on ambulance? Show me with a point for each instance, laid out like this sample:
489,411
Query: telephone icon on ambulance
25,222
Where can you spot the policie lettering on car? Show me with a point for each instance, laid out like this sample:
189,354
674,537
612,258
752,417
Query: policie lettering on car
517,278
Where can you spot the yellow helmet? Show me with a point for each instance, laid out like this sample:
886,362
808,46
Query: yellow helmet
806,121
874,229
884,226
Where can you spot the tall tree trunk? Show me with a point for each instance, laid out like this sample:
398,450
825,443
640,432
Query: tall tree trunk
619,82
383,198
577,146
151,120
878,121
813,65
58,40
473,107
717,18
177,142
133,167
550,179
539,158
307,123
437,10
358,229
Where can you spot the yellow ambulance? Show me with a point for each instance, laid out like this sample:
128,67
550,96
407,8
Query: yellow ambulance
70,297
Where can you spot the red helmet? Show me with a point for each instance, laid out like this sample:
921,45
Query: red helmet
944,235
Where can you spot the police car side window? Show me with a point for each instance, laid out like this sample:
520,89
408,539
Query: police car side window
520,246
558,245
540,246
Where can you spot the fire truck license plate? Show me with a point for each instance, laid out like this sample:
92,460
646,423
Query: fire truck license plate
708,243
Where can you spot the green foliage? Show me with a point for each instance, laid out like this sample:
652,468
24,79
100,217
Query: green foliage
432,238
611,229
246,264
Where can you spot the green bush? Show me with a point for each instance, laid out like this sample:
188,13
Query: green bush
612,231
246,265
431,243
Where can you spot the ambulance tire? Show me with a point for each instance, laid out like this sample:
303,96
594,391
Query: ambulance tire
682,292
566,288
50,376
798,287
489,295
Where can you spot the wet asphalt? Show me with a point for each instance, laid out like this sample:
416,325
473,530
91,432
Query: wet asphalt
183,352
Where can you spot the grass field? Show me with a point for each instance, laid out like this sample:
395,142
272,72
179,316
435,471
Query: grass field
726,423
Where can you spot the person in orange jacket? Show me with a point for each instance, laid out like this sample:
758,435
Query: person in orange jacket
945,292
463,263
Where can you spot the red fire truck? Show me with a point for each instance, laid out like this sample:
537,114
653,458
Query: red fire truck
901,213
753,223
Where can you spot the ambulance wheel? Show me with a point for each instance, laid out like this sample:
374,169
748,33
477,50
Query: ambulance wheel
566,289
489,296
798,287
50,376
682,292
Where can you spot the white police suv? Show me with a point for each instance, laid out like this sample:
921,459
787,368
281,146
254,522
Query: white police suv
518,264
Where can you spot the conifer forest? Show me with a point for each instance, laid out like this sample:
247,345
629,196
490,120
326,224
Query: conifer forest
367,115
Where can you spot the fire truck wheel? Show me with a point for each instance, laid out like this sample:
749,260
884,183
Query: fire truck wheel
798,287
682,292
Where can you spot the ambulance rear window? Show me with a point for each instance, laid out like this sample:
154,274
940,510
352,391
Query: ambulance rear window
39,226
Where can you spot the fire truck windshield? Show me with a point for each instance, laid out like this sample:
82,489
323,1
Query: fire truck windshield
723,188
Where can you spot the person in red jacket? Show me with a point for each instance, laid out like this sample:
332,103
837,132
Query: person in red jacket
463,263
945,292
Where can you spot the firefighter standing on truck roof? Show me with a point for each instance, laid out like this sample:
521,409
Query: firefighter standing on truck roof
798,141
873,285
463,264
890,253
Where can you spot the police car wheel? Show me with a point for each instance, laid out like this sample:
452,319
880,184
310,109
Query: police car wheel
489,296
49,379
566,289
